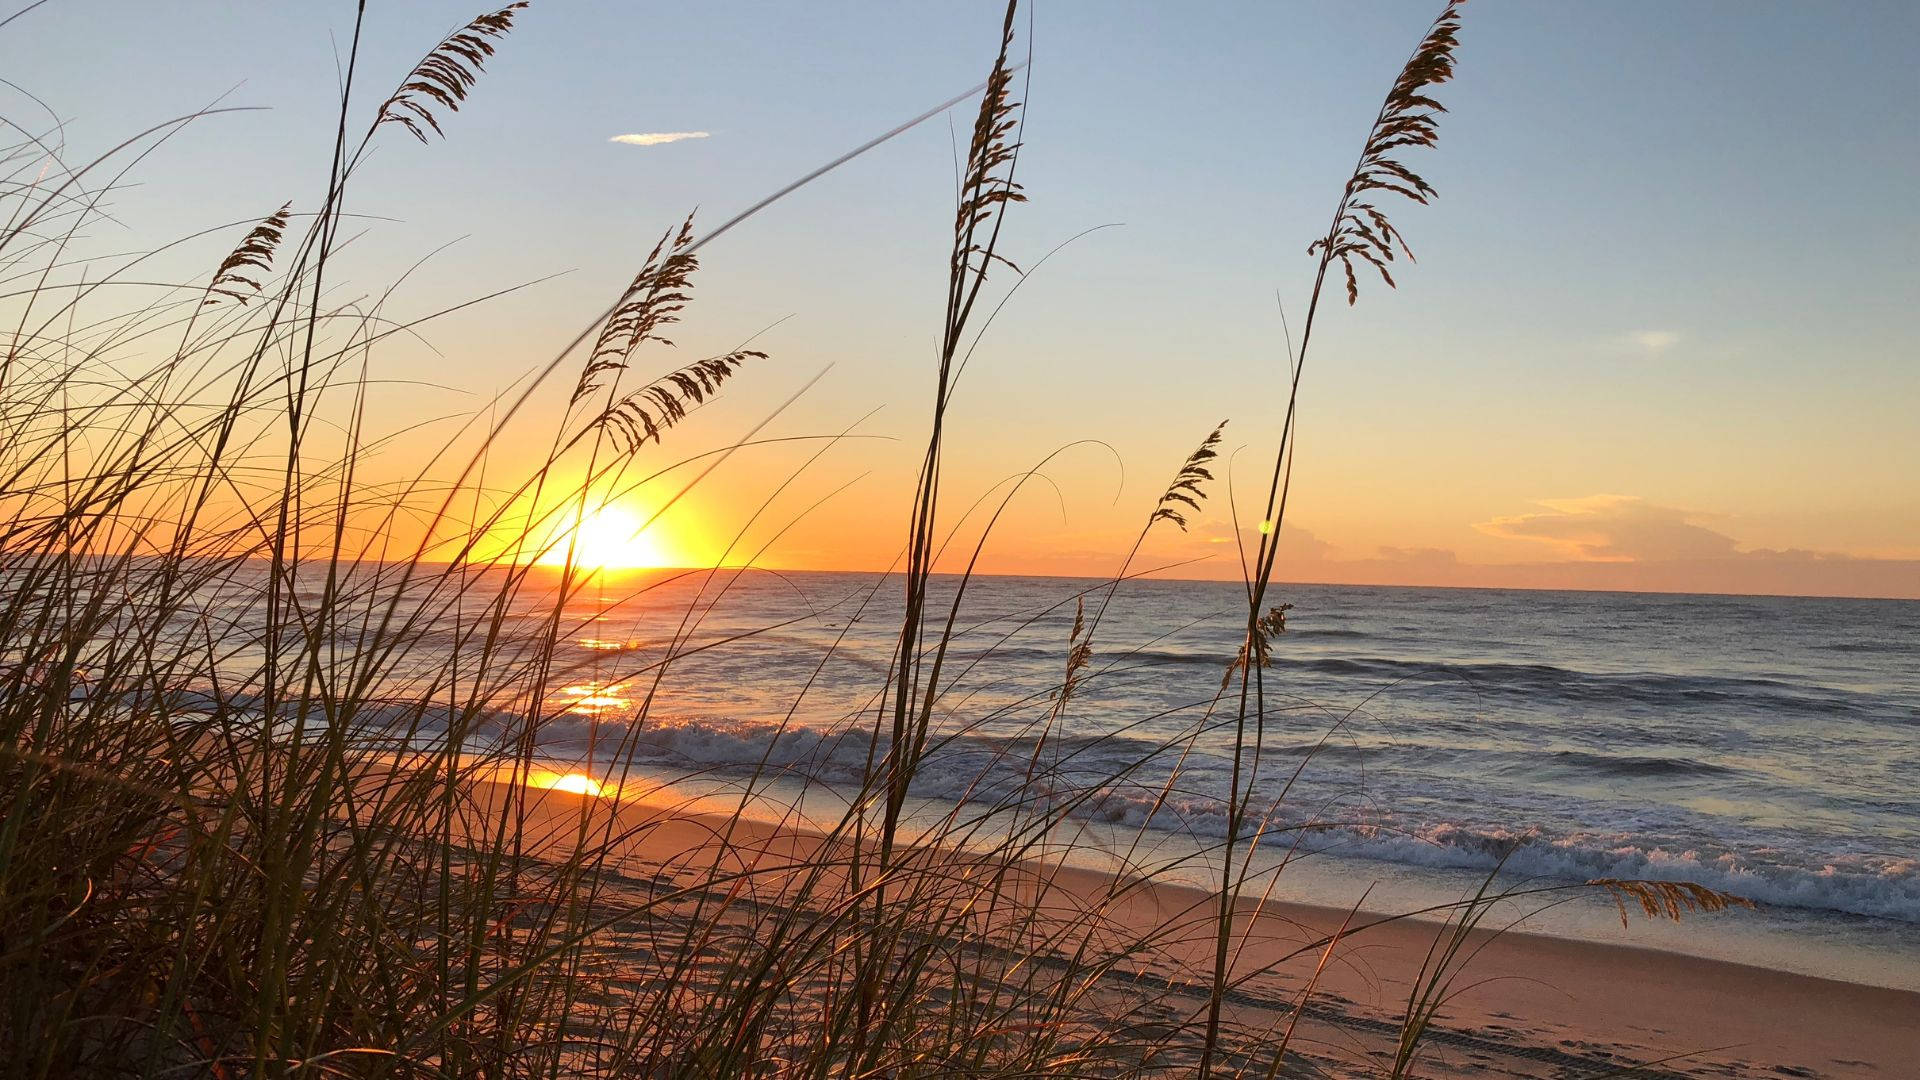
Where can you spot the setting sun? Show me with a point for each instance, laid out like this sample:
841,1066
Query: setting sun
609,538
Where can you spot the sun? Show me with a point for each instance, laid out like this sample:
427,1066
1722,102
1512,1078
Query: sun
609,538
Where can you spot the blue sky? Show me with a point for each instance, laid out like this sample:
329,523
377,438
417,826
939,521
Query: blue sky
1671,264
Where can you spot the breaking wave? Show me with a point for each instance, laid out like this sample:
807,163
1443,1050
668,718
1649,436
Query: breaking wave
1123,781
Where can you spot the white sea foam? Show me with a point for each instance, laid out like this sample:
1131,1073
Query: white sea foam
979,769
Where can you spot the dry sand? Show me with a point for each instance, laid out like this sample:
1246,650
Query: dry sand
1537,1007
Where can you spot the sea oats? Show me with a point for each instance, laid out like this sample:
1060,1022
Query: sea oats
443,78
1671,899
254,255
652,300
645,414
1409,117
1185,488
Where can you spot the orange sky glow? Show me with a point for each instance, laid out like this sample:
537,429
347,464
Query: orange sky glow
1607,371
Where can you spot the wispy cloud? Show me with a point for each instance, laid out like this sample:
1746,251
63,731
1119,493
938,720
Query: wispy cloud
655,138
1596,542
1655,341
1614,528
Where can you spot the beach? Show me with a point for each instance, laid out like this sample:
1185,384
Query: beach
1529,1005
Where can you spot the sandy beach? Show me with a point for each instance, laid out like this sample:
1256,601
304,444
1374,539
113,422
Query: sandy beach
1527,1005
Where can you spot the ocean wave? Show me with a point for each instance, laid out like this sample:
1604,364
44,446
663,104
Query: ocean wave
1874,886
1107,779
1335,762
1583,763
1530,684
1862,646
1148,779
1877,886
719,744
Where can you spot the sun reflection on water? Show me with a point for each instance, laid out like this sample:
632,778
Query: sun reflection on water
594,698
574,783
607,645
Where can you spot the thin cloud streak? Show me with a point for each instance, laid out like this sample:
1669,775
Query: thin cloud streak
1605,542
1655,341
655,138
1614,528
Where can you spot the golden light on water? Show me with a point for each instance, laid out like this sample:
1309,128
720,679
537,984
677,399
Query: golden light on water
607,644
610,538
574,783
591,699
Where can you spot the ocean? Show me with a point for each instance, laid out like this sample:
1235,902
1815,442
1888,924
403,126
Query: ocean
1415,738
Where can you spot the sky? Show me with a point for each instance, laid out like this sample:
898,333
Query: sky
1661,333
